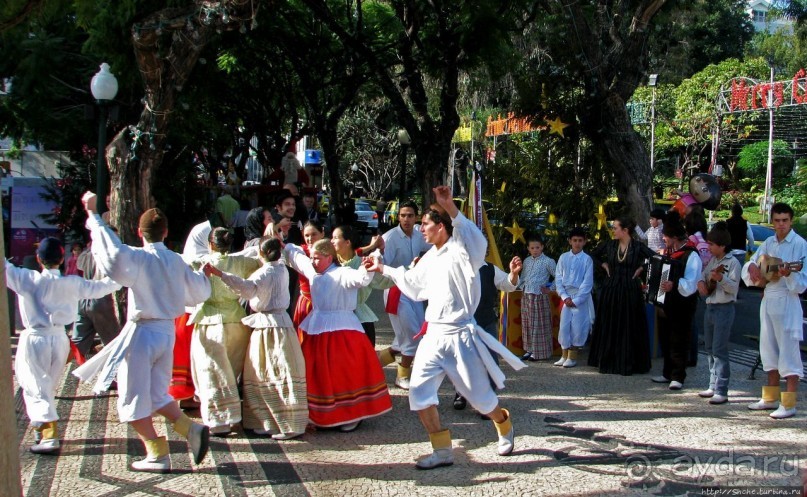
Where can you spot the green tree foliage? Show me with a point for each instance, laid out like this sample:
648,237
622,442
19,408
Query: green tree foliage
689,35
753,160
41,60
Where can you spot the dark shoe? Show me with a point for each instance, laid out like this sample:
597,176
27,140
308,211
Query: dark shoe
527,357
459,402
484,417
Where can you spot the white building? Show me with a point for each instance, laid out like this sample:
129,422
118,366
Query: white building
765,20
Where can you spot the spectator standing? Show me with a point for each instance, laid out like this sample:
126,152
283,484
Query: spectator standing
742,238
620,343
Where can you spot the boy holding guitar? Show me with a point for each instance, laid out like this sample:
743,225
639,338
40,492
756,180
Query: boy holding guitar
780,313
719,283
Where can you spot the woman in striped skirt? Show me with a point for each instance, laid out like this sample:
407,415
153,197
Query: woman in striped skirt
219,341
275,399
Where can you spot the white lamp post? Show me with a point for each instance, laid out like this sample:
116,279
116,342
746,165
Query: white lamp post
652,84
104,87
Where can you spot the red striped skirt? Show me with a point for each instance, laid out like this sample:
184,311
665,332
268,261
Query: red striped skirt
344,378
181,385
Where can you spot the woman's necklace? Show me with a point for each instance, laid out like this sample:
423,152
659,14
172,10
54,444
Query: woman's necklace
620,256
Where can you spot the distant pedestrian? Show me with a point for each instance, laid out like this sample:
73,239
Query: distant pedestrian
742,237
655,238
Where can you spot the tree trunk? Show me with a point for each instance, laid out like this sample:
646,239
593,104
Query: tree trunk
136,152
613,134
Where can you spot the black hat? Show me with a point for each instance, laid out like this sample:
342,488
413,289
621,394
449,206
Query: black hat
50,251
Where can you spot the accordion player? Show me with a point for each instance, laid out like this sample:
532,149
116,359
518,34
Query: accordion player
661,268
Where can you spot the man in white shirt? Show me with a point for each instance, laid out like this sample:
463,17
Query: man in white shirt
160,286
780,315
402,245
454,345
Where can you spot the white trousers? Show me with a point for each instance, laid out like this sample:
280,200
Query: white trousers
778,347
406,325
145,372
39,364
575,325
453,355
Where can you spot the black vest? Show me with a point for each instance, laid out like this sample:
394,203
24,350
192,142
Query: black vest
489,301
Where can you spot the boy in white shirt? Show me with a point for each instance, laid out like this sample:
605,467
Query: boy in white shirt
48,302
574,279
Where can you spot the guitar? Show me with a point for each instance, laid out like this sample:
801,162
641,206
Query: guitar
711,285
769,268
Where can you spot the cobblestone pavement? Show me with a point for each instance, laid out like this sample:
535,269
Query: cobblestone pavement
577,433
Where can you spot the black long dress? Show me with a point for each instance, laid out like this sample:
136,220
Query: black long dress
620,342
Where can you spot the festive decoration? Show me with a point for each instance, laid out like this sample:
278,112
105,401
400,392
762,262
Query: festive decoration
517,232
552,221
600,215
556,126
510,125
746,94
504,186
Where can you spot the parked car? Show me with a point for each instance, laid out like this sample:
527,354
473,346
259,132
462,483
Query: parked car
761,233
391,213
366,214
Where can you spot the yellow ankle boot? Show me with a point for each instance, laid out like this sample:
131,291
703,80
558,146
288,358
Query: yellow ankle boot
441,455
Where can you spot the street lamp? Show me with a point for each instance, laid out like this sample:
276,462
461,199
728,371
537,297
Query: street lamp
405,141
769,170
652,84
104,87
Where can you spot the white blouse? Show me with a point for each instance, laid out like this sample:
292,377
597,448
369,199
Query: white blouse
334,294
267,290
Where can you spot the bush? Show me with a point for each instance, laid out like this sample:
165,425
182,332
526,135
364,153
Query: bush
729,197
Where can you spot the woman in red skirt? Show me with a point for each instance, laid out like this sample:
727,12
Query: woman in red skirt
345,382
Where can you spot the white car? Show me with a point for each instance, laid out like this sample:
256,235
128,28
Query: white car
366,214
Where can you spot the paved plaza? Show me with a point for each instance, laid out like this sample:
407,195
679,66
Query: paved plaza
577,433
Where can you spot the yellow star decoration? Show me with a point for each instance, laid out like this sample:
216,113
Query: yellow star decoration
600,218
556,126
517,232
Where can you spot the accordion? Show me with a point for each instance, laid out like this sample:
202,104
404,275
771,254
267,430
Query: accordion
661,268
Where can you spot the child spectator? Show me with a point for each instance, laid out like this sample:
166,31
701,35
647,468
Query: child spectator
536,317
71,265
574,279
655,239
48,302
720,282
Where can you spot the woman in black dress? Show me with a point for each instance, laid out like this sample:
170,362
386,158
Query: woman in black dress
620,342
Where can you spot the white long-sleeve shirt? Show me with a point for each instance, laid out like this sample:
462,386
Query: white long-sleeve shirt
267,290
688,284
793,248
400,250
447,277
574,277
48,299
334,293
160,283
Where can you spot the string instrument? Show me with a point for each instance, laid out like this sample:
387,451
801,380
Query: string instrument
711,285
769,267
